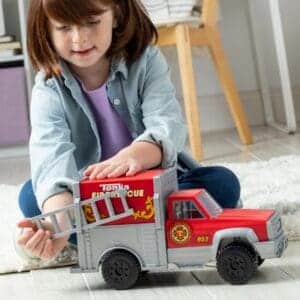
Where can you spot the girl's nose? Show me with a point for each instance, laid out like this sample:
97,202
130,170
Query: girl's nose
79,34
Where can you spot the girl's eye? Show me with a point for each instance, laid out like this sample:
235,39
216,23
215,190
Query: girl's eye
93,22
63,28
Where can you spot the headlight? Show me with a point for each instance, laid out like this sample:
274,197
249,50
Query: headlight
274,226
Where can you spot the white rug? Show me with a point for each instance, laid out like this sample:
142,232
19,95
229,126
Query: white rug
9,214
268,184
273,184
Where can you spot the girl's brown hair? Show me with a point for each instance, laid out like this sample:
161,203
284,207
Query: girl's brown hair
134,31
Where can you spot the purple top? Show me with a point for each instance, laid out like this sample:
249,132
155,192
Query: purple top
114,134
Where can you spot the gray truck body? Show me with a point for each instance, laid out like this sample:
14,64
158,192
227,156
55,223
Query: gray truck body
146,241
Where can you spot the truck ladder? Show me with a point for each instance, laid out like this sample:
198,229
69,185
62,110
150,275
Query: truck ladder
70,213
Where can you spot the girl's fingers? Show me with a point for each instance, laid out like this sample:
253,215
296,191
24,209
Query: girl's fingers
119,171
52,248
40,246
27,234
35,240
133,169
114,167
97,170
111,168
26,223
48,250
88,170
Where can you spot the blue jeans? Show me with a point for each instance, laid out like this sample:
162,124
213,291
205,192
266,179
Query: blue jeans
220,182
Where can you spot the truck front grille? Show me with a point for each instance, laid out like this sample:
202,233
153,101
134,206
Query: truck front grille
274,226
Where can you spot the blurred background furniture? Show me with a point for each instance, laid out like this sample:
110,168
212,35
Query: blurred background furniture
14,121
2,25
281,52
177,26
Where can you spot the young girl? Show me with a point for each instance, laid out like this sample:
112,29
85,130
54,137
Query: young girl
102,106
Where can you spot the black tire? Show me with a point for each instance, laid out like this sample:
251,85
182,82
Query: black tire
236,263
145,272
260,261
120,270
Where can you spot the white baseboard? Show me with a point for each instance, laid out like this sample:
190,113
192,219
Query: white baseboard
277,100
14,151
214,112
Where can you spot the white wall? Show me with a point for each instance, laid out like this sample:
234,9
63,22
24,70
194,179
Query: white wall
291,27
11,17
289,10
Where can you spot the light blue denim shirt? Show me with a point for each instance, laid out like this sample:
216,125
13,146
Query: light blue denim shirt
64,139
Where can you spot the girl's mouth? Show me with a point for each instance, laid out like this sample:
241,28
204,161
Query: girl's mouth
83,52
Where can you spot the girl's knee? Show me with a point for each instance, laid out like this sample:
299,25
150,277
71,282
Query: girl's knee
27,200
229,193
26,188
219,181
228,175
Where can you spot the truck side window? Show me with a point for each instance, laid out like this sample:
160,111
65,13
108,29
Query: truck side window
186,210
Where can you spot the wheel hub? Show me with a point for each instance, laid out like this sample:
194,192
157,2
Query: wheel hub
235,265
120,269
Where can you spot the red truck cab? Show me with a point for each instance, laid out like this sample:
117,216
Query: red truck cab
193,218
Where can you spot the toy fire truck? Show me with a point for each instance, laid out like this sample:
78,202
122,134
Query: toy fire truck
130,225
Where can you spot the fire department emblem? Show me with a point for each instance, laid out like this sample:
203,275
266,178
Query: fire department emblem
180,233
88,212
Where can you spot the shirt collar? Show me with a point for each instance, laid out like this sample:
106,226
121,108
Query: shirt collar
118,65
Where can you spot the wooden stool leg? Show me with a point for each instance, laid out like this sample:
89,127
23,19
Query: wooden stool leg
184,51
229,86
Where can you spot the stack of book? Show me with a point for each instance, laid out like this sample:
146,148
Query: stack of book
160,11
9,46
181,8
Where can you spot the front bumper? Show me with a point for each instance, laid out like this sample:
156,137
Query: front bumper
273,248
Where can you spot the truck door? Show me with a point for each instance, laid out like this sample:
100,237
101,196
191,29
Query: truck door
187,225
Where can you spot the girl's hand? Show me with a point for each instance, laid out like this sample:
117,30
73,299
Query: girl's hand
116,166
130,160
39,241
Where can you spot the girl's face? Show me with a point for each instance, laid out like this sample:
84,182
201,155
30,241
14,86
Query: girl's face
83,45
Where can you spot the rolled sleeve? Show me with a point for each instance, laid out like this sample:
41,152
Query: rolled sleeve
53,166
162,116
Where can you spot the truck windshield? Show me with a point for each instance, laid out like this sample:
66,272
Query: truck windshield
210,204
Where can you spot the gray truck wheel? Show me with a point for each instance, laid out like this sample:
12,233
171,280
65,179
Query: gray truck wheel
236,263
120,270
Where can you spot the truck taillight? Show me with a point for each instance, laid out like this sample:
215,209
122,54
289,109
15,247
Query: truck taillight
274,226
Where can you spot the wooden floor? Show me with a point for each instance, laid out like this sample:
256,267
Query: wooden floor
275,279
